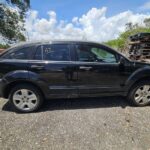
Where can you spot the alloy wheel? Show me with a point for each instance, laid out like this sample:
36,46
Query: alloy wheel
142,95
25,99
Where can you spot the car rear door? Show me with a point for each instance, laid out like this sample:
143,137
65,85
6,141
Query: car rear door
52,65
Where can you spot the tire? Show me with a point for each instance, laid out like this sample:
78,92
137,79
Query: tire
25,98
139,94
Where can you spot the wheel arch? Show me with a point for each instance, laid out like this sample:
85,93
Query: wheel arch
14,83
146,78
137,76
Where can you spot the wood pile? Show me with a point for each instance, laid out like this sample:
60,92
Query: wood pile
1,50
139,46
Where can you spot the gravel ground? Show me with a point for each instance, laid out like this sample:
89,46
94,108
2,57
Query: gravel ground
86,124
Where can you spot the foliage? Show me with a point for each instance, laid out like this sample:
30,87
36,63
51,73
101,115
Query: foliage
4,46
147,22
122,40
12,22
9,24
118,43
23,5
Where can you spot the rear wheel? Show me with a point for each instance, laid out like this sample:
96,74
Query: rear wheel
140,94
25,98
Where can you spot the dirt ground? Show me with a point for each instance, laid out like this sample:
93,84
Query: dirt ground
76,124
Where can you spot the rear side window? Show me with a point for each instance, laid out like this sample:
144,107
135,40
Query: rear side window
24,53
53,52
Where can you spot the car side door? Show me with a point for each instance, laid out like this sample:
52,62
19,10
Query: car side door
99,70
53,67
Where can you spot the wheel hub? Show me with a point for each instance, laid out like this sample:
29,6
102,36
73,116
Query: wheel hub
25,99
142,94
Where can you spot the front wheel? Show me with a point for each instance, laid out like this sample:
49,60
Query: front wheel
139,95
25,98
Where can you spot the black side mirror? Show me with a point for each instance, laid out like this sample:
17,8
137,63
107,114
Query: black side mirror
122,61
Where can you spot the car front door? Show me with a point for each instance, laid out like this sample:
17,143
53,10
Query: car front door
99,71
52,64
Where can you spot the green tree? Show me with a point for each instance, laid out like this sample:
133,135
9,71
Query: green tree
147,22
129,26
23,5
12,22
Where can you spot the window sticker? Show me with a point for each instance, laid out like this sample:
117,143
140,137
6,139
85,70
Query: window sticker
47,50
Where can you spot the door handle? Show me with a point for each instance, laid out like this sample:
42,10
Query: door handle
39,67
85,68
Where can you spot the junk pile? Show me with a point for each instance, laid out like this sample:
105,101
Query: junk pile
1,50
139,48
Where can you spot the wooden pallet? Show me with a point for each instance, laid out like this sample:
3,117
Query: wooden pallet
133,43
138,42
140,50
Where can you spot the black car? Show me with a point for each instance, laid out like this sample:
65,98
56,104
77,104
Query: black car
33,72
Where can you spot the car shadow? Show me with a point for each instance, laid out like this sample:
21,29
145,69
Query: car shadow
80,103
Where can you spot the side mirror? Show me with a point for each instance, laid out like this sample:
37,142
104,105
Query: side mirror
122,61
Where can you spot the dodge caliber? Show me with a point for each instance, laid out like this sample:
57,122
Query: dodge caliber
33,72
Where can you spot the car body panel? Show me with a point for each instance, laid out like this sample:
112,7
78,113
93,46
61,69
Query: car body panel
63,79
57,76
138,73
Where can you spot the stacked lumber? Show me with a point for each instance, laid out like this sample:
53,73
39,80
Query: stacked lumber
1,50
139,46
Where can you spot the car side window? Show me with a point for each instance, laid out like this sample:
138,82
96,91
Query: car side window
89,53
53,52
24,53
38,54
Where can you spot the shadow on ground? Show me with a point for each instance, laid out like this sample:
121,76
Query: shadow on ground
84,103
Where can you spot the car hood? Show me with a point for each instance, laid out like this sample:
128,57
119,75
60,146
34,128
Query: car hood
141,64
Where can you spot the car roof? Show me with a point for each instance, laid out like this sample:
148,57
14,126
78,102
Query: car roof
31,43
35,43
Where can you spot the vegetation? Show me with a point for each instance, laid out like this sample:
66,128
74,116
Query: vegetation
12,25
12,22
122,41
4,46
